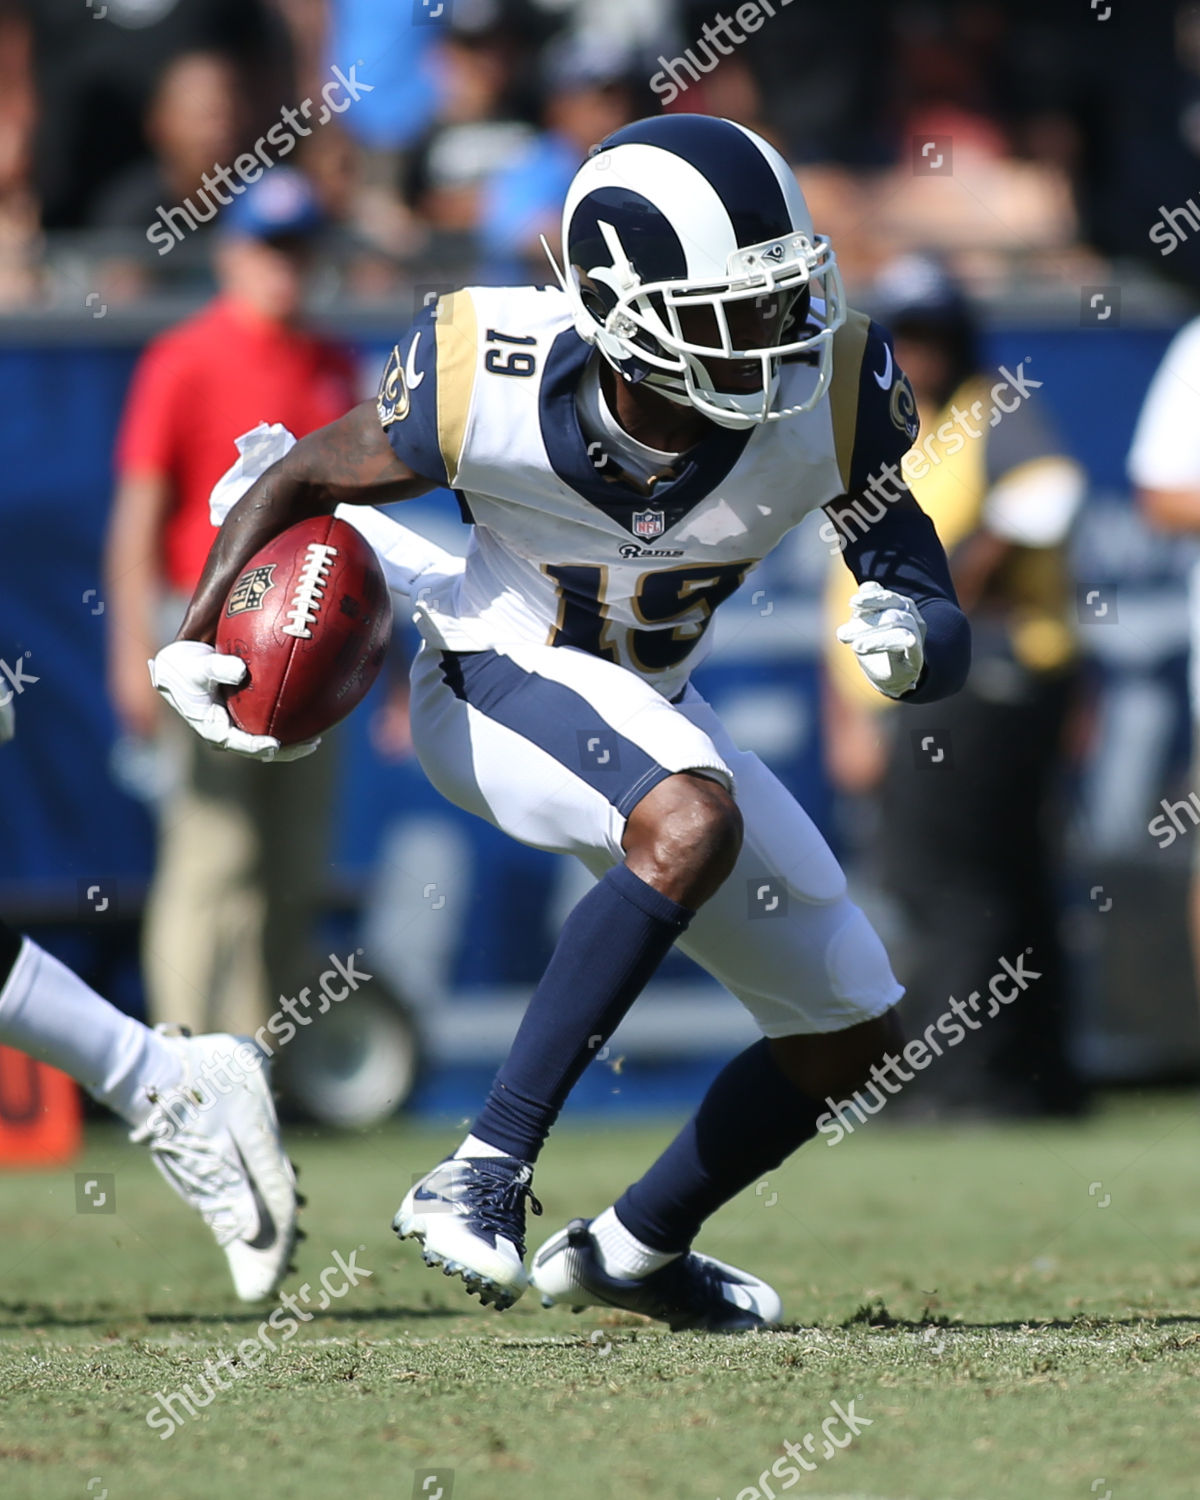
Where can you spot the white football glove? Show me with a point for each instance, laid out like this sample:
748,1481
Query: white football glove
887,634
8,721
189,675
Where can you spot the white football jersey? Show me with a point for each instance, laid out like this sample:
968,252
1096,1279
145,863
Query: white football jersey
567,548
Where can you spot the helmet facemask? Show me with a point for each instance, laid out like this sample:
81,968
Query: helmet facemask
779,299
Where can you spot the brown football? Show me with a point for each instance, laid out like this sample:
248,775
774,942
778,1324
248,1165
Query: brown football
311,616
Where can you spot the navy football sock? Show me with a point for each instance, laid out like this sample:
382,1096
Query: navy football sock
608,949
750,1120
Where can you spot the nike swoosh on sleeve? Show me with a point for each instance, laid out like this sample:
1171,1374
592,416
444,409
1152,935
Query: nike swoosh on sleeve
883,378
413,378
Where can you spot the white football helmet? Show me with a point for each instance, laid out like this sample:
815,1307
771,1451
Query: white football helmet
691,263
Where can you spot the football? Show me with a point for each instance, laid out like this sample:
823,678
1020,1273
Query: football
311,616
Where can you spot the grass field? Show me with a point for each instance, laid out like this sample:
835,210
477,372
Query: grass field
1015,1312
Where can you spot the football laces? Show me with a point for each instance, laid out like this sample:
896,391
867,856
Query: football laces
310,590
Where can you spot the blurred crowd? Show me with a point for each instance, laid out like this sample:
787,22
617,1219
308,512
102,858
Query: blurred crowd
1029,139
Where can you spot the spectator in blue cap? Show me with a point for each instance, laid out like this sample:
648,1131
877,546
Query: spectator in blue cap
265,242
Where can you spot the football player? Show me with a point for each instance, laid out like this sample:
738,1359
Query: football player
205,1112
626,447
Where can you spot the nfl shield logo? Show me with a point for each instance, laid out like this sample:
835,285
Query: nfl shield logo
649,523
251,589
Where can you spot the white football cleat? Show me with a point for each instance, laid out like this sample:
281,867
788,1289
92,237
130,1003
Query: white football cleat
469,1216
691,1292
215,1139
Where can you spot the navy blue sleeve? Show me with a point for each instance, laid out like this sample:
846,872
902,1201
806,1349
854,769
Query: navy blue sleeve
407,400
878,527
901,551
885,417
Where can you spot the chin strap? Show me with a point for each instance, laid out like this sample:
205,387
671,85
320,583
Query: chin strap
670,386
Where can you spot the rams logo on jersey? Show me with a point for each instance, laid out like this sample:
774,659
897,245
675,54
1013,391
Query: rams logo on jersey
399,380
251,589
903,408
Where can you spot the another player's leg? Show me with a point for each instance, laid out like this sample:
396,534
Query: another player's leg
679,833
816,977
203,1105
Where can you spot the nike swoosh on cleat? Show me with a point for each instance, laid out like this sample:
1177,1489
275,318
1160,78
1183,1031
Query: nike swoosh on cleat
451,1199
267,1234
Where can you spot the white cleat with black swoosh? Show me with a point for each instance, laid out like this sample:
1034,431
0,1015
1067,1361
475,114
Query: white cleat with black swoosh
468,1216
215,1139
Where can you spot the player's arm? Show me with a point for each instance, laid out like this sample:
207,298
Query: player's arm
382,450
906,629
349,462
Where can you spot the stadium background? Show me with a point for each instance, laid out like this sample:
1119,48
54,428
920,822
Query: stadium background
68,822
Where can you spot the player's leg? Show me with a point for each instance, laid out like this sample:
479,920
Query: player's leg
202,1104
680,843
49,1013
570,753
784,936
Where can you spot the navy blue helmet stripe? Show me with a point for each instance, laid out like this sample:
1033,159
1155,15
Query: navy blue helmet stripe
740,174
647,237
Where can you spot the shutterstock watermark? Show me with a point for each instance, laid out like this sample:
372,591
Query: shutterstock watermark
830,1447
220,186
14,679
1012,978
1168,825
720,37
890,483
223,1072
171,1412
1168,233
337,982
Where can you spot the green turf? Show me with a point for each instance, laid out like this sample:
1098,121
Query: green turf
1015,1311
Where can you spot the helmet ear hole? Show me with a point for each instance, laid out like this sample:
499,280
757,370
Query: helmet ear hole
593,302
593,297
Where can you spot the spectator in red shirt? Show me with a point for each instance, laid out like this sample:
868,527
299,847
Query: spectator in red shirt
230,906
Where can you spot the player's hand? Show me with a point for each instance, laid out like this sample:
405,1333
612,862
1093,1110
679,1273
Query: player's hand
887,634
190,676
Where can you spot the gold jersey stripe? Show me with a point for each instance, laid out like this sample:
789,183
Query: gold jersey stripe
457,344
849,345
